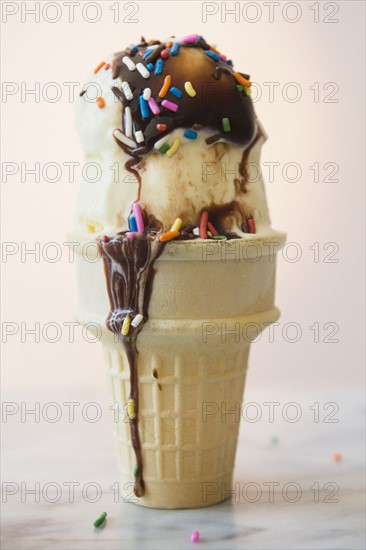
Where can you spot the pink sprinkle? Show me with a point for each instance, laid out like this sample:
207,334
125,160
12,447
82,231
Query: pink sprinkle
170,105
195,537
138,215
131,234
153,106
223,57
190,38
107,66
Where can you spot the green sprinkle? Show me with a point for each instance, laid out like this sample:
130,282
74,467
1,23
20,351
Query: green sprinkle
226,124
274,440
164,148
239,87
135,470
220,237
100,520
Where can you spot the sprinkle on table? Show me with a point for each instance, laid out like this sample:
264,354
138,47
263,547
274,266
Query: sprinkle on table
195,536
165,87
97,69
107,66
189,89
226,124
100,102
100,520
337,457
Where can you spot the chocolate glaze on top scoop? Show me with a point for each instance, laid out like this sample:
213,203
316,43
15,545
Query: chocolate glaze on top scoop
210,96
217,94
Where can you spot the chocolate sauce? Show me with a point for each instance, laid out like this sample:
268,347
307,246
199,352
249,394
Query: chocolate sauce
129,272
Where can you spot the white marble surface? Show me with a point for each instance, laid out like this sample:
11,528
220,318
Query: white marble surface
83,452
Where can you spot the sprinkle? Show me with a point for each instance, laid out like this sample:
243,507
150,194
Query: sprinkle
243,81
164,54
239,87
129,63
127,90
159,66
131,235
138,215
175,48
128,122
229,62
135,470
176,92
165,87
209,234
212,54
100,520
223,57
170,105
213,139
226,124
161,127
150,66
131,409
195,537
107,66
124,139
196,231
251,223
146,93
191,38
248,91
143,107
134,47
139,136
190,134
169,44
147,53
165,237
97,69
105,239
100,102
153,106
137,320
203,224
274,440
126,325
174,147
160,142
177,225
212,229
132,223
142,70
337,457
164,148
189,89
220,238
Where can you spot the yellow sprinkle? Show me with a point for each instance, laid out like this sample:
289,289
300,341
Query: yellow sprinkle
126,325
247,90
174,148
131,409
176,225
189,89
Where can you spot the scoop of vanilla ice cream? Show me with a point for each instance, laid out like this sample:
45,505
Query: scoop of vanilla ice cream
198,175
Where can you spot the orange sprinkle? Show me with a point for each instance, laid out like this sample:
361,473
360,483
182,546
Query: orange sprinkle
169,44
100,102
164,237
243,81
337,457
99,67
165,87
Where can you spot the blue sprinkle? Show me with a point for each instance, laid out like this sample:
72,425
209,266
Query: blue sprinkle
212,54
175,48
133,224
150,66
159,66
146,54
176,92
143,107
190,134
229,62
133,47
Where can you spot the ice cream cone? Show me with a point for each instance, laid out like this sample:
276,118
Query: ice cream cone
209,300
